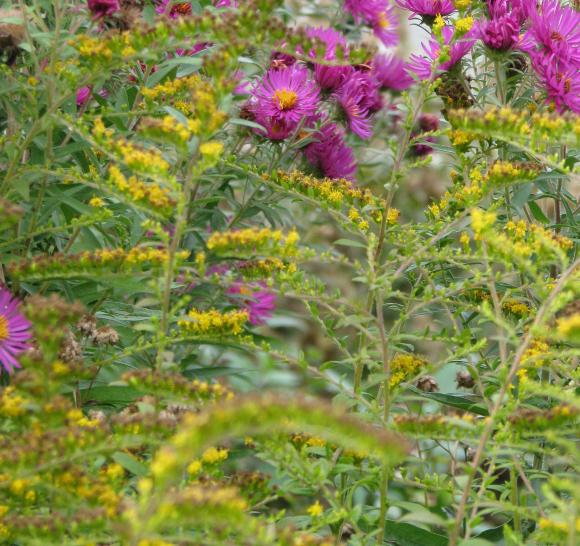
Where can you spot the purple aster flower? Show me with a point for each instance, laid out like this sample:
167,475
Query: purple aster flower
329,77
385,26
103,8
174,9
330,154
429,8
379,14
14,331
225,3
556,30
427,124
422,65
83,95
357,98
390,71
283,98
256,299
561,81
502,30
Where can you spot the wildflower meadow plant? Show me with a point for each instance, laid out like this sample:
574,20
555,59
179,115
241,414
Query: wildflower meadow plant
289,272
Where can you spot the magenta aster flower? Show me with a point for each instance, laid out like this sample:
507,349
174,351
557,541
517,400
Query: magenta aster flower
391,72
14,331
422,65
283,98
256,299
329,77
560,80
554,30
378,14
83,95
428,8
502,30
174,9
225,3
103,8
358,97
427,124
330,154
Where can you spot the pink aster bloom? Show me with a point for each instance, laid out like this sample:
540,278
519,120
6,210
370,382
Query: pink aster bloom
429,8
14,331
174,9
502,30
330,154
358,97
103,8
283,98
329,77
225,3
390,71
83,95
560,80
379,15
427,124
255,299
555,30
422,65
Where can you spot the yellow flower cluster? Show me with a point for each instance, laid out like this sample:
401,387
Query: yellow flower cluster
11,403
518,123
171,87
457,199
92,47
404,366
148,194
531,238
211,456
459,137
502,172
214,322
135,256
214,455
315,510
197,100
533,356
482,221
140,159
569,327
464,25
335,193
266,267
509,305
255,241
168,128
462,4
559,526
515,307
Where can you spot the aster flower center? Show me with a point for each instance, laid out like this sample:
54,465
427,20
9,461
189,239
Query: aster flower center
384,21
4,332
286,98
245,291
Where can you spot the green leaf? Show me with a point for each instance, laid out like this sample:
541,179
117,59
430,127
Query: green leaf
110,394
349,242
537,212
405,534
463,402
130,463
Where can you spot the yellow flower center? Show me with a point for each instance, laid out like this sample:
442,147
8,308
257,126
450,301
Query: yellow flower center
286,99
384,21
4,332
